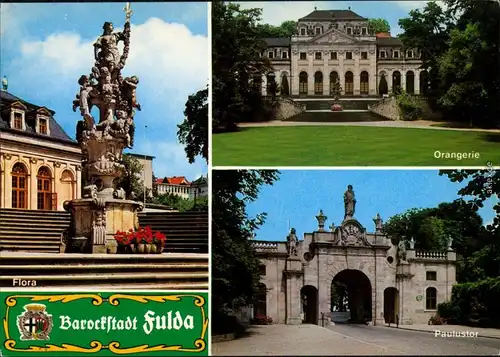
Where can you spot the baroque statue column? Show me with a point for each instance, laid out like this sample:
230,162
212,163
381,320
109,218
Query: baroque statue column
104,208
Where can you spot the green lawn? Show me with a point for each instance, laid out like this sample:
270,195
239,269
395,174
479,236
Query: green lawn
351,146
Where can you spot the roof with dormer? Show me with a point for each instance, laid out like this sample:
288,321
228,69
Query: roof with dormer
56,131
277,41
322,15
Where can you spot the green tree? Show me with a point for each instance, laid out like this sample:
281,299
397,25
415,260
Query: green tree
235,266
131,179
236,64
285,29
181,204
378,25
427,31
193,132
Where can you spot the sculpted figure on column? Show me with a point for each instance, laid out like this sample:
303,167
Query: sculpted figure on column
349,203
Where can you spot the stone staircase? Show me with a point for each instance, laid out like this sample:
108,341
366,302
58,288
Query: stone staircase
328,116
40,231
187,232
159,271
30,230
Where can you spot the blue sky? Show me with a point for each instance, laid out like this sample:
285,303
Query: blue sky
299,195
46,47
275,12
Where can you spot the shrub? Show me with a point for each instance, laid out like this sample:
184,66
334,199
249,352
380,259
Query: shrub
223,323
437,320
262,320
408,106
449,312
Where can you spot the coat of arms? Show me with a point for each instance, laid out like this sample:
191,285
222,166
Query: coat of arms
34,323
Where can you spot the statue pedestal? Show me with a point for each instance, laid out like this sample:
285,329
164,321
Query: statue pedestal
94,222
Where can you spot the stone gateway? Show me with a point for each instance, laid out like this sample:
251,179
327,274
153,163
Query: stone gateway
349,274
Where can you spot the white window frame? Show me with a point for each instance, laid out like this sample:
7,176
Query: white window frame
316,32
347,31
320,56
384,52
361,55
336,56
303,31
394,54
270,54
284,55
408,54
300,57
349,59
364,31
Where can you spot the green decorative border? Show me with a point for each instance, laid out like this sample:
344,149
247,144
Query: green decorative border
114,346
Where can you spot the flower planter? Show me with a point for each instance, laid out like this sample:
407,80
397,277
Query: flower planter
141,241
147,248
154,249
141,248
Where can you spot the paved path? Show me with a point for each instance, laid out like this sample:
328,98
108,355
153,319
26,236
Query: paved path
420,124
349,340
481,332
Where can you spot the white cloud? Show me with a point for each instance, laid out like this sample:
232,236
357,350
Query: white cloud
170,61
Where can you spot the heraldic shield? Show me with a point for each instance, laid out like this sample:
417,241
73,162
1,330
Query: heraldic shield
35,323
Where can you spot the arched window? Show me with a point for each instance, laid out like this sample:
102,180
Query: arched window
349,83
285,86
424,85
68,182
363,81
410,82
303,83
430,299
19,186
44,189
318,83
257,83
396,82
334,77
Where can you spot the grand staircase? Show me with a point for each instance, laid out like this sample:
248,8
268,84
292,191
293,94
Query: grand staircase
185,231
158,271
30,250
33,231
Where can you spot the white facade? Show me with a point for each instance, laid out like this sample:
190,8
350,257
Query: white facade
337,43
189,191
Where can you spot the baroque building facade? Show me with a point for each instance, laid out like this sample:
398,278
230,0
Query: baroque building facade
180,186
333,45
40,165
385,280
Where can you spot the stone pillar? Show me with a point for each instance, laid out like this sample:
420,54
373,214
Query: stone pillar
403,80
264,85
326,74
310,80
417,82
293,275
33,184
7,187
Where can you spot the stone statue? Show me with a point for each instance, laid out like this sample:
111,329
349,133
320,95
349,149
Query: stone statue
106,50
402,250
378,223
102,140
349,203
292,243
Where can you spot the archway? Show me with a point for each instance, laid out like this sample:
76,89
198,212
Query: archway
260,306
424,85
334,77
44,189
396,82
271,84
391,305
19,186
68,182
257,83
351,297
303,83
309,299
349,83
285,86
383,87
410,82
363,82
318,83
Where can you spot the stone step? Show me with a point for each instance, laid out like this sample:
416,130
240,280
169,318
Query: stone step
31,231
45,246
9,258
158,285
323,117
38,213
7,269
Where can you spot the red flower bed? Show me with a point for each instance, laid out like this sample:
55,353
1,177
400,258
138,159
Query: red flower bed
140,236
